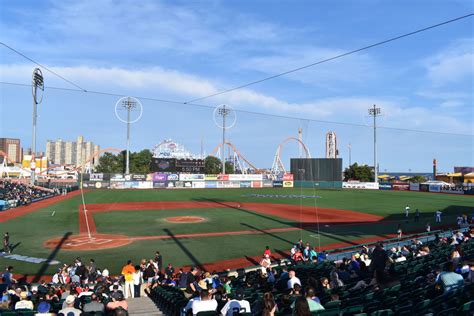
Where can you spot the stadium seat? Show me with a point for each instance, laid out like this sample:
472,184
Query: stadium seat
353,309
382,312
209,313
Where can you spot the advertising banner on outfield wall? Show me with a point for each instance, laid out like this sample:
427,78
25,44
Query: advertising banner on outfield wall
435,188
191,177
138,177
245,184
288,177
267,184
287,184
278,184
256,184
188,184
385,186
223,177
160,177
360,185
159,185
198,184
401,186
210,184
117,185
414,186
145,185
210,177
96,177
424,187
453,191
245,177
117,177
173,177
179,184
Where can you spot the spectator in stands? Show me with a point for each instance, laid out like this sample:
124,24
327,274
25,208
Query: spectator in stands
301,307
127,272
191,282
137,280
448,279
43,309
24,302
205,304
69,310
293,279
118,302
379,261
312,303
269,305
94,306
238,304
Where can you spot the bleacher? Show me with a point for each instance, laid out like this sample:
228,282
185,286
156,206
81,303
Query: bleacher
407,292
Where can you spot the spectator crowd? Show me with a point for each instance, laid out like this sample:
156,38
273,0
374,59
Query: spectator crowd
18,194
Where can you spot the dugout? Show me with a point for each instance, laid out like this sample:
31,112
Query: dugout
319,172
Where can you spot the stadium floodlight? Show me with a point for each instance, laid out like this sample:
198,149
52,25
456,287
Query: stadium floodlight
130,105
374,112
37,86
224,111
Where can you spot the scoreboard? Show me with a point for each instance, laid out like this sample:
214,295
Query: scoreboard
177,165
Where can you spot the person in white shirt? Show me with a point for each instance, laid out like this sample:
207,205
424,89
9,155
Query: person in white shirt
293,279
407,211
438,216
237,305
137,280
205,304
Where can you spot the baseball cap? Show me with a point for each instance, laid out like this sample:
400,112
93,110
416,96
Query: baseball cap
44,307
70,299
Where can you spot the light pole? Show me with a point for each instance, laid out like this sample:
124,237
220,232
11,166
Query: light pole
128,104
37,90
350,159
375,111
224,111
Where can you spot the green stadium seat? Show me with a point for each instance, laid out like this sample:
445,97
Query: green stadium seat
353,309
382,312
333,304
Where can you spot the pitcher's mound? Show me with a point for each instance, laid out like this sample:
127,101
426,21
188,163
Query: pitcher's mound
184,219
83,242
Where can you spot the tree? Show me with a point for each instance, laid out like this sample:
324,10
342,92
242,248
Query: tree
362,173
212,165
418,179
229,168
110,163
140,162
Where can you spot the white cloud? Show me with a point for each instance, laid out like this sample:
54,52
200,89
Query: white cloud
453,64
155,82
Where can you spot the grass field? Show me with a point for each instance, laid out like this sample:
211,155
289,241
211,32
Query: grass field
29,232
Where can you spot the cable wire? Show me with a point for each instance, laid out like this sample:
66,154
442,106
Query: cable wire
206,106
331,58
42,66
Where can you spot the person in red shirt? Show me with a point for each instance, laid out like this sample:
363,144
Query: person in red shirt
267,251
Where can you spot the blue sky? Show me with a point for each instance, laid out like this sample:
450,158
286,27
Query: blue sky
181,50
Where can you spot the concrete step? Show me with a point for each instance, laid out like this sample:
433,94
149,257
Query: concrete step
142,306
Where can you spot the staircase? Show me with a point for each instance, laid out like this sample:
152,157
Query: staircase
142,306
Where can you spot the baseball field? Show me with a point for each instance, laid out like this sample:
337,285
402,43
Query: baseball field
215,229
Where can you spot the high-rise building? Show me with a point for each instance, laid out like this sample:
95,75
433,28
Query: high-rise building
11,147
72,153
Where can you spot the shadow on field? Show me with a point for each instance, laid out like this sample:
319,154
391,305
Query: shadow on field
267,233
184,249
51,257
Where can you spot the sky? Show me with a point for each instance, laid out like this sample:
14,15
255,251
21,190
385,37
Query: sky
183,50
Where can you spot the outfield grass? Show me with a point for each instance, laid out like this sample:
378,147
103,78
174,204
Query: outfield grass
33,229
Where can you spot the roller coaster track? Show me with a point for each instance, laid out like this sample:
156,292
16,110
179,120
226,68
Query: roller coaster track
236,152
277,166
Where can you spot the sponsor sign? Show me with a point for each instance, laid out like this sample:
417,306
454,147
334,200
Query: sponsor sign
223,177
288,177
188,184
211,184
191,177
385,186
117,185
245,177
145,185
360,185
401,186
138,177
287,184
267,184
171,185
128,177
159,177
256,184
245,184
435,188
97,176
228,184
414,186
453,191
198,184
424,187
173,177
278,184
210,177
117,177
179,184
159,185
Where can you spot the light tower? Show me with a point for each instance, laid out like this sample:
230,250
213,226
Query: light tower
375,111
38,89
224,111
